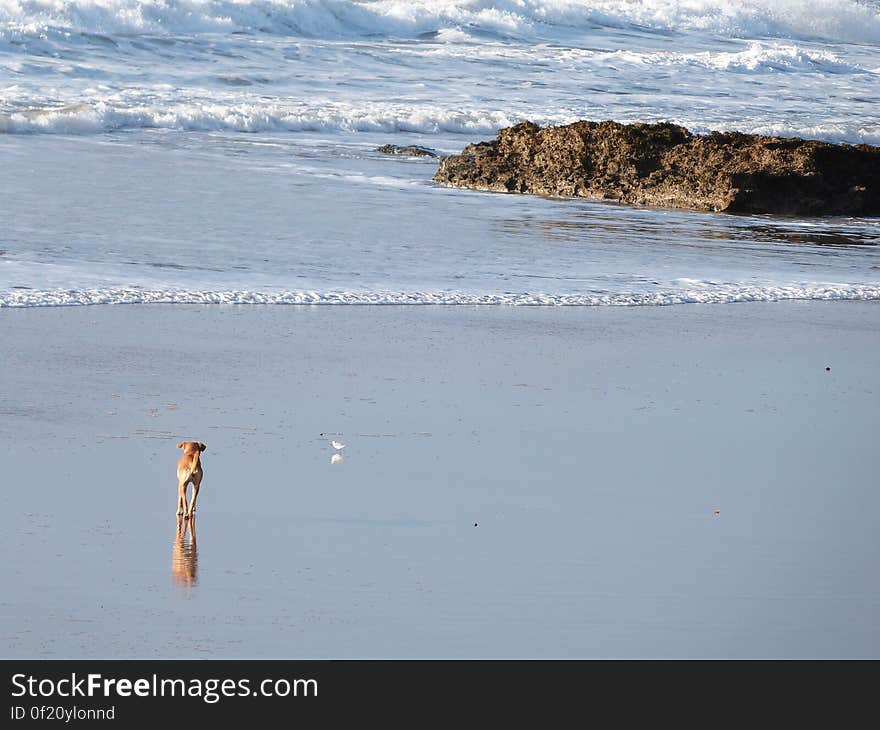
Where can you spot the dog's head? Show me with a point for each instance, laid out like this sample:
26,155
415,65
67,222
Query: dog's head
189,446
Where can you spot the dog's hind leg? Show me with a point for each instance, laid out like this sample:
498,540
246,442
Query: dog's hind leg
181,499
195,494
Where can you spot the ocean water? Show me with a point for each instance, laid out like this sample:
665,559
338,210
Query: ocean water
224,151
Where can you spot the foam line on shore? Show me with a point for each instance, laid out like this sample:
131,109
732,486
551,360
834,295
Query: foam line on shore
708,294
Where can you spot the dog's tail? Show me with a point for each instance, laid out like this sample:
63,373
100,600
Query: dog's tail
192,466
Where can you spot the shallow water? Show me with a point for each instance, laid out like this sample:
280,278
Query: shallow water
536,482
171,217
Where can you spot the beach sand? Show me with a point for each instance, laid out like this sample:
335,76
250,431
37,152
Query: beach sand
684,481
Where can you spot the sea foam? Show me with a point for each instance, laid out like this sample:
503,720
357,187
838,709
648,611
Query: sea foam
699,293
253,117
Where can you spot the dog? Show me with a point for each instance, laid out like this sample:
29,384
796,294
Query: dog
189,471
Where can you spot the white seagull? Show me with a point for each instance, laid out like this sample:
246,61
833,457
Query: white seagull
336,445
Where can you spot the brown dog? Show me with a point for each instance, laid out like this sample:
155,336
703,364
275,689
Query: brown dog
189,471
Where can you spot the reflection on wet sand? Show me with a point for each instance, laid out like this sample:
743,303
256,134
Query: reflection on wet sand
185,556
826,236
694,229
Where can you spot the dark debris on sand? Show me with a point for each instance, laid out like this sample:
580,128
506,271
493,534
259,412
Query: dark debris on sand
409,151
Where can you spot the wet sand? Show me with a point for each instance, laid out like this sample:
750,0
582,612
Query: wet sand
517,482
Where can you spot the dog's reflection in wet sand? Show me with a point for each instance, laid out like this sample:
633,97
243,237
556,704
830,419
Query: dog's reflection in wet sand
185,556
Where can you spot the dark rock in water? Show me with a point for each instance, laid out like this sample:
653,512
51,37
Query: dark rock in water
665,165
410,151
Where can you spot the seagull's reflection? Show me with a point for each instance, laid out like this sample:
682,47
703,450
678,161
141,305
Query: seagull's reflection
185,556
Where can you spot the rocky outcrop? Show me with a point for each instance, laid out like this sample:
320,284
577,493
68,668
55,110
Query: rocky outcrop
412,150
665,165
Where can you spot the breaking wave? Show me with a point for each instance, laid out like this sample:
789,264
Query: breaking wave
840,20
427,119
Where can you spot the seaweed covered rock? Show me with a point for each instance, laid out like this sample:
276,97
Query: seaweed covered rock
665,165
